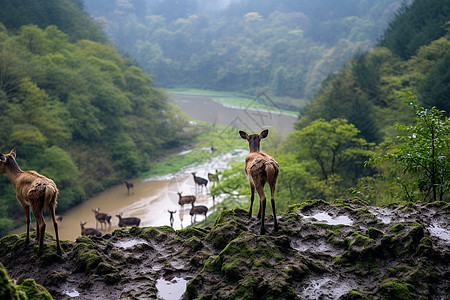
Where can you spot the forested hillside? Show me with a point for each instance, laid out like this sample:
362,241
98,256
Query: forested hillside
283,47
74,109
357,117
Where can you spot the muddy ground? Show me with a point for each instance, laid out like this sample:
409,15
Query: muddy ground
344,250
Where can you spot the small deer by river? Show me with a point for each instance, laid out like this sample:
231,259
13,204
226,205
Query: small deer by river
89,231
260,169
103,218
188,199
127,222
199,181
32,190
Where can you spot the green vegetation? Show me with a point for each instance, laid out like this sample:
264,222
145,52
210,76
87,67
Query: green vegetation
354,118
77,112
283,47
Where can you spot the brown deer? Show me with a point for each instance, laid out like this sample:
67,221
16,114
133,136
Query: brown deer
126,222
103,218
130,186
198,210
188,199
199,181
32,190
89,231
171,217
260,169
213,178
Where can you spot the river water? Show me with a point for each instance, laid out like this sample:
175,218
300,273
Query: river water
153,197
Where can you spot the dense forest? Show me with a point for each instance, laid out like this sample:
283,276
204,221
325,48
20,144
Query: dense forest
283,47
358,138
73,107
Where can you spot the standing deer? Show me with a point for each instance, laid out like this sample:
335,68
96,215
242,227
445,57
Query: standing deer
213,178
125,222
199,181
130,186
102,218
260,169
171,217
198,210
89,231
185,199
32,190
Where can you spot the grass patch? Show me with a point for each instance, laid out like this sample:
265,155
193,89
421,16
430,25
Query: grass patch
283,105
199,151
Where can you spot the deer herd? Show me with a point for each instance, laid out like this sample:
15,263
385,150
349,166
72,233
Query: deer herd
37,192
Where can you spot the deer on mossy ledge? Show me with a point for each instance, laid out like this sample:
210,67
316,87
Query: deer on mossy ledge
260,169
32,190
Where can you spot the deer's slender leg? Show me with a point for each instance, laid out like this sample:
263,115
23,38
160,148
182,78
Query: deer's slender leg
27,215
55,226
40,227
252,198
272,202
262,198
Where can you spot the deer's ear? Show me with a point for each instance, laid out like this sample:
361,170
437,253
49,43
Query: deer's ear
13,152
243,134
264,134
2,158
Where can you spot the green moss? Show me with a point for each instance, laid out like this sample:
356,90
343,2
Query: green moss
192,231
396,290
10,243
88,260
308,204
157,233
105,268
193,244
353,295
34,291
55,278
374,233
8,290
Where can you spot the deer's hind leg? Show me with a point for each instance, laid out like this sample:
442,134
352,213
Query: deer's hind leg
26,208
252,198
272,201
52,206
40,226
262,205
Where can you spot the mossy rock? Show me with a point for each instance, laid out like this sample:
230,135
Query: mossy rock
34,291
397,290
353,295
55,278
158,234
191,232
11,243
307,205
193,244
88,260
251,267
227,227
374,233
8,290
105,268
403,238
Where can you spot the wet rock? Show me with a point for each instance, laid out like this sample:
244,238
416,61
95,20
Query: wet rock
340,250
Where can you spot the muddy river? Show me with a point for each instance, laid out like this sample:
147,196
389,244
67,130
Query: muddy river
153,197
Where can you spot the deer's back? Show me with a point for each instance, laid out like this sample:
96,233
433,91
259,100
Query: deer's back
258,164
33,186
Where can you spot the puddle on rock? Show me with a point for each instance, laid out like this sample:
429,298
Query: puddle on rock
326,288
72,293
439,232
325,217
129,244
171,289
